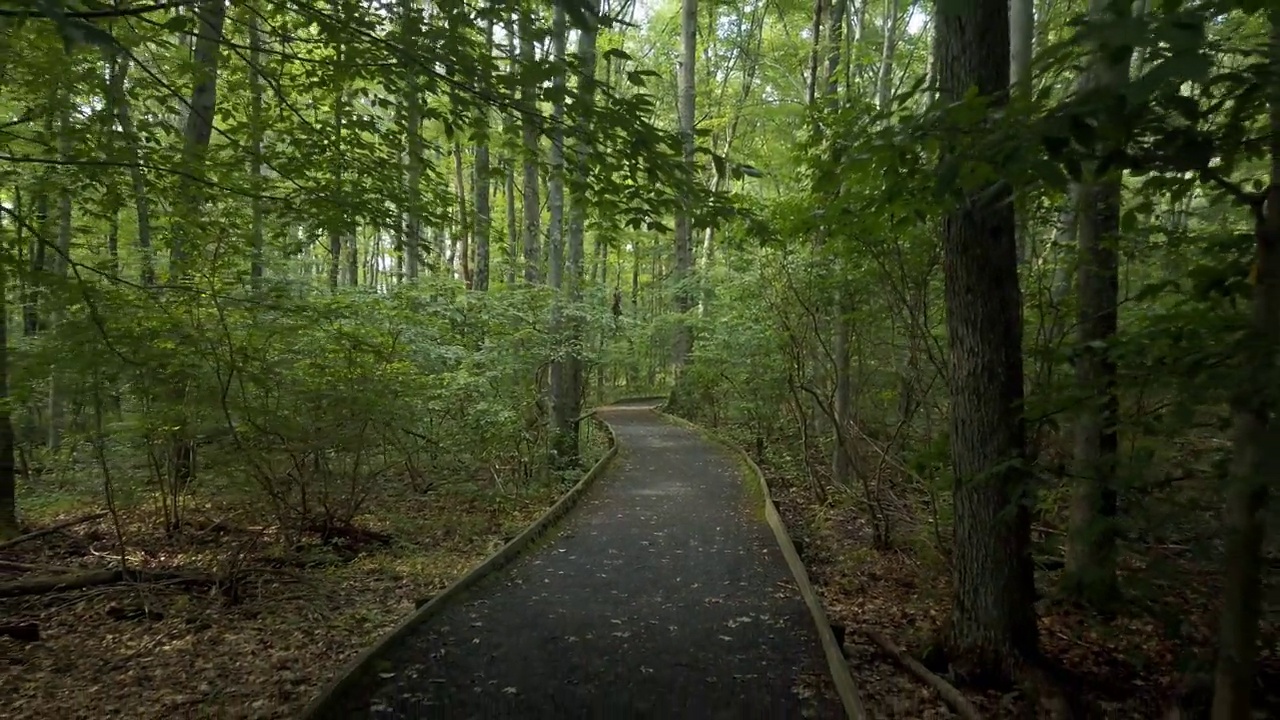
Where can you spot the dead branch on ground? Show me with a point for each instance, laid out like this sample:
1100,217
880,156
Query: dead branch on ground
51,529
953,697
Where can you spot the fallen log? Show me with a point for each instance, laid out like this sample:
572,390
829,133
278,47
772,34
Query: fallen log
51,529
79,580
62,581
21,631
28,567
953,697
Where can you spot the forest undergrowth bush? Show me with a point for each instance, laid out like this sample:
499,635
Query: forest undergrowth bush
879,543
346,457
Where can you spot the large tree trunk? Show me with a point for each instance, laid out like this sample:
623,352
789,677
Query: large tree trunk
993,622
1257,447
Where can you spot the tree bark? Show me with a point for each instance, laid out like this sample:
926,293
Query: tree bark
482,189
580,151
530,137
255,150
686,99
563,442
411,23
1090,573
1257,446
993,622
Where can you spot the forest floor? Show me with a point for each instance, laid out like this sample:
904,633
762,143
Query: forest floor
1138,664
194,645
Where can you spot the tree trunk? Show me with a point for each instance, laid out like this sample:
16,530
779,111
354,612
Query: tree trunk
61,263
1257,447
482,189
197,132
513,232
564,443
686,99
119,99
884,84
532,148
1090,573
1021,34
412,245
8,480
993,622
463,254
199,127
255,149
573,385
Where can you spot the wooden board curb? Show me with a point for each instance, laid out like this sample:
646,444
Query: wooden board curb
327,704
837,663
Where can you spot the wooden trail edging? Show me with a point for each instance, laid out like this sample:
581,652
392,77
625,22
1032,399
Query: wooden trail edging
328,703
837,663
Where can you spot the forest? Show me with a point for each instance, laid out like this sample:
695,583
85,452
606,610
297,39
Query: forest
307,303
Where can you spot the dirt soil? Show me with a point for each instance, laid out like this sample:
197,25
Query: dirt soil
663,595
178,650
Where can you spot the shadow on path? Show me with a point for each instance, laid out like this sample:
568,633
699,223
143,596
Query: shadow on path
663,595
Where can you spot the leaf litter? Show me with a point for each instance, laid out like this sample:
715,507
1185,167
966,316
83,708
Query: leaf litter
161,650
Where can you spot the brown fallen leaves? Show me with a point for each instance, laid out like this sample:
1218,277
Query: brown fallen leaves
162,650
1136,665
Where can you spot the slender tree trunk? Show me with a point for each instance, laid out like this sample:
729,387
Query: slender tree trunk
1021,33
513,232
482,191
412,246
197,132
255,149
684,221
1257,447
463,253
841,326
61,262
198,128
117,96
992,628
8,477
564,445
884,84
532,149
1090,573
338,222
573,381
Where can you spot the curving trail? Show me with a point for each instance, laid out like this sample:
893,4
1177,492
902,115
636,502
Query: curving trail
663,595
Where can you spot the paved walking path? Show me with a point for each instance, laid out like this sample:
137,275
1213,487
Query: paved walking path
663,596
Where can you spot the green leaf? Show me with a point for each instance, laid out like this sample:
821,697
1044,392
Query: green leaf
618,54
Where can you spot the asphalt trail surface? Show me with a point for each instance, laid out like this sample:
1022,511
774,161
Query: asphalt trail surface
663,595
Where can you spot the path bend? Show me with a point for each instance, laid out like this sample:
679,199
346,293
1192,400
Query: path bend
662,595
